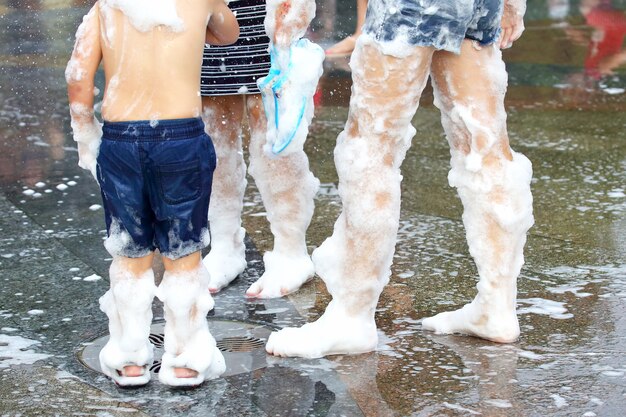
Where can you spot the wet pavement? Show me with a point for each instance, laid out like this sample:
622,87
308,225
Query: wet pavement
567,113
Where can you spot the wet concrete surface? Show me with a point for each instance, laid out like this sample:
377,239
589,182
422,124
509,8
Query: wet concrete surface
566,113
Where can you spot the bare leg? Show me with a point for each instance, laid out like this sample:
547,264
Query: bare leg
287,187
355,261
346,46
191,355
222,117
128,305
493,183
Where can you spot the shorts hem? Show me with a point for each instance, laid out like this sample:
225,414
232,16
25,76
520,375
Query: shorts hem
454,47
184,250
229,93
487,40
134,254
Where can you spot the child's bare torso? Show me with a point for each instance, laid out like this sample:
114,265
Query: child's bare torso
152,70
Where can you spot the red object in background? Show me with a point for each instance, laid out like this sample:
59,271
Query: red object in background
317,97
611,25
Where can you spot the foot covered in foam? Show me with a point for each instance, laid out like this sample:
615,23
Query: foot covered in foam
283,275
128,354
334,333
287,92
191,355
127,369
476,320
224,265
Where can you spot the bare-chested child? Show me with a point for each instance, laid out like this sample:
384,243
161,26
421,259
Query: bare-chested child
154,164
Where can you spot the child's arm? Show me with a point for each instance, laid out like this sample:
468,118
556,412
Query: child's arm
287,20
223,28
512,22
79,74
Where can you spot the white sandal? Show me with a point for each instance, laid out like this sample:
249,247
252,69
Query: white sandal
188,342
128,304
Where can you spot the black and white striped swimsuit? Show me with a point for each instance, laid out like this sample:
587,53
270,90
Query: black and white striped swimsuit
234,69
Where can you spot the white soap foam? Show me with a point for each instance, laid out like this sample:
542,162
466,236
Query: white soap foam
541,306
144,15
14,350
93,277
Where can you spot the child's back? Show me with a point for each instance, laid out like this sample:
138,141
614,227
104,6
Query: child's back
153,73
152,55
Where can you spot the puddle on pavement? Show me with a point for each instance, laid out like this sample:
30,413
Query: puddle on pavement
565,113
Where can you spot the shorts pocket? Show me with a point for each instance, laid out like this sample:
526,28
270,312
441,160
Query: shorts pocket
208,145
180,182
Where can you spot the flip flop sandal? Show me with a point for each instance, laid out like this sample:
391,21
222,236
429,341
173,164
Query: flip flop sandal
124,381
128,306
188,341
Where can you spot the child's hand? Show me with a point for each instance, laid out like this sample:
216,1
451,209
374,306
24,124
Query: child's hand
287,21
88,135
87,159
512,22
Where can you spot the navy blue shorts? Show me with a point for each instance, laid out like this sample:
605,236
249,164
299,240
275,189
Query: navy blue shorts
442,24
155,179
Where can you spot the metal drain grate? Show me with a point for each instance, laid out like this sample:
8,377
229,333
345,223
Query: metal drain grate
240,344
227,344
157,339
156,367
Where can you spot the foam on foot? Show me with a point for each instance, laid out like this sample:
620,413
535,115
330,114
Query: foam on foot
283,275
223,268
334,333
471,319
224,264
128,305
188,343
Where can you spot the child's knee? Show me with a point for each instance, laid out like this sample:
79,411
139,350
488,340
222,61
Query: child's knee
186,263
135,266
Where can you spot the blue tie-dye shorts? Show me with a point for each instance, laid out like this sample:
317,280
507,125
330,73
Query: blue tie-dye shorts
442,24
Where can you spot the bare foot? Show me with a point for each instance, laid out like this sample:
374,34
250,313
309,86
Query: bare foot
133,371
224,266
342,48
128,376
205,355
185,373
476,319
332,334
283,275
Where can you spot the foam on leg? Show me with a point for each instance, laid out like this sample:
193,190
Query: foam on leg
286,21
496,222
227,259
493,183
297,65
188,342
128,305
287,188
355,261
286,184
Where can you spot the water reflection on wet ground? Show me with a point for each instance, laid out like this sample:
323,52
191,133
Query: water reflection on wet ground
566,105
